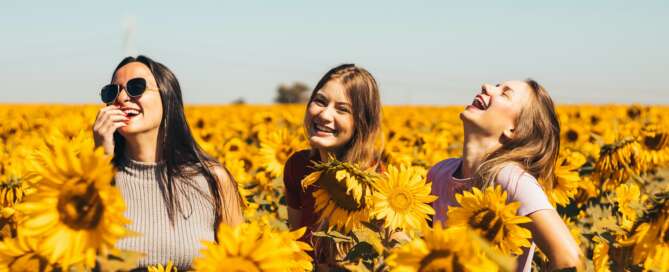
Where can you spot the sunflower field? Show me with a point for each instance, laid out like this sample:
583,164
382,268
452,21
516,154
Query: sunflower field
60,212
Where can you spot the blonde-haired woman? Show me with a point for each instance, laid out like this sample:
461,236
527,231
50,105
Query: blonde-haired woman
512,139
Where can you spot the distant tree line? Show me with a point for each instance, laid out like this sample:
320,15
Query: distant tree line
298,92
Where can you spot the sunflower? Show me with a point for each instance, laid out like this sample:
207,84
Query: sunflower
252,247
75,211
169,267
627,196
574,134
600,255
441,249
14,185
401,199
618,161
567,178
18,254
343,198
652,234
241,176
586,190
659,260
655,143
275,149
234,148
488,214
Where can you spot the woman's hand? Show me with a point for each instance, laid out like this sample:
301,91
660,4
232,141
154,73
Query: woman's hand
108,120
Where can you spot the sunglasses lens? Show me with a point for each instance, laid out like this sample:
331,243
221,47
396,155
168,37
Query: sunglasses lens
109,93
136,86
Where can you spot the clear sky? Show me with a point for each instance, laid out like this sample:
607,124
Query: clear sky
421,52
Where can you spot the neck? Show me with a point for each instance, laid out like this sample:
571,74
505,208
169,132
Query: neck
144,147
324,153
475,148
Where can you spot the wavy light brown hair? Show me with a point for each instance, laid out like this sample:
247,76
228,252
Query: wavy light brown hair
535,143
365,145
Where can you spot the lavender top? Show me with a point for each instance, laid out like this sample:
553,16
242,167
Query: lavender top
519,185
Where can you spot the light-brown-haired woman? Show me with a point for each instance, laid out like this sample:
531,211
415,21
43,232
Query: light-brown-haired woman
343,118
511,138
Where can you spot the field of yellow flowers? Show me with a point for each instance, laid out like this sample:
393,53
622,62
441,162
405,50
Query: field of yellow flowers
59,210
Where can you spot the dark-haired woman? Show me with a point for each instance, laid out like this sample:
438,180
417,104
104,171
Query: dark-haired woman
176,194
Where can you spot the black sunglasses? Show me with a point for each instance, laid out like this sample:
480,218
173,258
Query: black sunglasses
135,88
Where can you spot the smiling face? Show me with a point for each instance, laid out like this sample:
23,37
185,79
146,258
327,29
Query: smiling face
146,111
329,118
494,111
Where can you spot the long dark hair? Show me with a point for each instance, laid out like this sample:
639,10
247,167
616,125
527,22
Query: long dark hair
365,145
180,153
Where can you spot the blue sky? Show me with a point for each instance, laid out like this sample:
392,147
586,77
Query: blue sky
421,52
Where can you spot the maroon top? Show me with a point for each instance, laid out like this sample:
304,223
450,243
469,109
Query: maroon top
297,167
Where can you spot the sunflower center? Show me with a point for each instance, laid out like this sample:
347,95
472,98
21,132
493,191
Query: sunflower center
80,207
488,222
633,112
572,135
440,260
657,142
338,194
400,201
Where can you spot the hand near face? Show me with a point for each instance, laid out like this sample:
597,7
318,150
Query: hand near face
130,116
107,121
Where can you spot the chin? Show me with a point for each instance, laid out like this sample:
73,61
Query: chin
326,144
131,129
467,117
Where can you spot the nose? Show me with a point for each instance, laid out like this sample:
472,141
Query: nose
487,89
122,97
326,115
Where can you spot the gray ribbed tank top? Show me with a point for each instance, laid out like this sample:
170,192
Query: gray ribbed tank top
159,240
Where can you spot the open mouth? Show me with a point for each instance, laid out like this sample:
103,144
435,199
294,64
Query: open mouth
480,103
130,113
323,130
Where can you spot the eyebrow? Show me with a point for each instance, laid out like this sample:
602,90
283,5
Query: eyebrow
344,104
507,88
319,94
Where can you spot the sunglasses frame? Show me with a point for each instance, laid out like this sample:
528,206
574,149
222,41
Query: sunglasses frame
119,88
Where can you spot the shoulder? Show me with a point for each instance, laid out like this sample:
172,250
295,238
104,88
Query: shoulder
442,168
513,175
297,162
221,174
299,158
524,188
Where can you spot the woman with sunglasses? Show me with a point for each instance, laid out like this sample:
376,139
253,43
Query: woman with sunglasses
176,195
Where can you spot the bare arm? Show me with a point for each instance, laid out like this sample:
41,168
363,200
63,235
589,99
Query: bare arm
554,239
230,198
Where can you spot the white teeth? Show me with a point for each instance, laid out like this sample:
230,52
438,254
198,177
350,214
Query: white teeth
480,103
324,129
131,112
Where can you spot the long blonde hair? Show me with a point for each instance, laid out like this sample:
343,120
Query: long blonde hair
534,146
365,145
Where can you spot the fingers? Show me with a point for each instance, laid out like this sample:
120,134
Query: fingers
111,123
107,116
109,130
105,109
108,120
